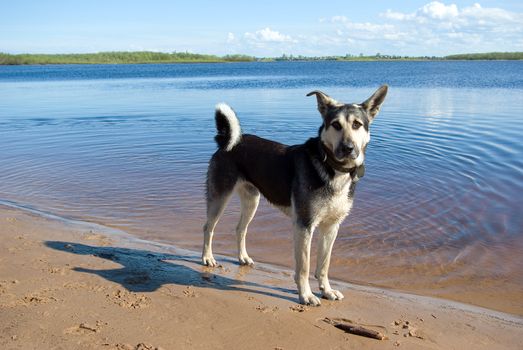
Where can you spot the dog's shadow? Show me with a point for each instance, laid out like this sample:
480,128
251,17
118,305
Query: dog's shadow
146,271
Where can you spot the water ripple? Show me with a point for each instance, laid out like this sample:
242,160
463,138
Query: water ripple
439,209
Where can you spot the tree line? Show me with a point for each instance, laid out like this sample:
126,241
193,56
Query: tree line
118,57
124,57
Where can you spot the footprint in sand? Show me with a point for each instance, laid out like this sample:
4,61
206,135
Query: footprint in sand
36,299
138,278
140,346
264,309
57,270
408,329
98,238
3,287
129,300
189,292
299,308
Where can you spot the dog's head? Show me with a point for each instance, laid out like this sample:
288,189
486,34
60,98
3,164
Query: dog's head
345,129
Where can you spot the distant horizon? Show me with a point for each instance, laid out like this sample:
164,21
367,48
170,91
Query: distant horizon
378,54
417,28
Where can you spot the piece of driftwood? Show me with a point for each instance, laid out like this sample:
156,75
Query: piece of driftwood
354,329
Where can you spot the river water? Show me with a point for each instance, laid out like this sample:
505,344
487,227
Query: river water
439,211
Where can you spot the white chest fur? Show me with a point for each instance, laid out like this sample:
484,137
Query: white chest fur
335,206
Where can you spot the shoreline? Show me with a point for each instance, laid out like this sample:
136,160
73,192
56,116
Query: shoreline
256,61
105,288
129,239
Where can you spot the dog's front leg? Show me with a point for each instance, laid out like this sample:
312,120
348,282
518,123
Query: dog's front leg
302,253
328,233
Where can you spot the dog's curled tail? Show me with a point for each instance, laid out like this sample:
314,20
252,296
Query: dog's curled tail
227,126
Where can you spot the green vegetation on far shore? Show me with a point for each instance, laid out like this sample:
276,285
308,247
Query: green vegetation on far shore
118,58
349,57
487,56
381,57
125,57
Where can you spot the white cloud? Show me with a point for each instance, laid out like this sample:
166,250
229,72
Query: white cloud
363,30
397,15
441,28
496,15
439,10
263,42
436,28
367,27
341,19
267,35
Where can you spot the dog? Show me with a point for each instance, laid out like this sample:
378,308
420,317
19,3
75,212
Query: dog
313,183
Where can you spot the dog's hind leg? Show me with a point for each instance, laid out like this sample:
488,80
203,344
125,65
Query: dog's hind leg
328,233
214,211
221,179
249,199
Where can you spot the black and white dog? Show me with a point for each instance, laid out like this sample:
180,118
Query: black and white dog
313,183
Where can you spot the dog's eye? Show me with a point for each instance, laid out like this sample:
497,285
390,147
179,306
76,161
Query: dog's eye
336,125
356,125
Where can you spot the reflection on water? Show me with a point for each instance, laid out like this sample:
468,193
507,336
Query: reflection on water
439,211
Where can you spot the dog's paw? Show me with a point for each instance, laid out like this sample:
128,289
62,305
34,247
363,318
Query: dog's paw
245,260
209,261
332,294
310,299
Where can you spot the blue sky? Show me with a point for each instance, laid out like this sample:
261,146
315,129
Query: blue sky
262,28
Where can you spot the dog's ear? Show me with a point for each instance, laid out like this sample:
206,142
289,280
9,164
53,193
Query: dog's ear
324,102
373,103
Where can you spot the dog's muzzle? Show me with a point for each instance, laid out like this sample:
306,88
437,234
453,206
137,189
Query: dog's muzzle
346,149
356,172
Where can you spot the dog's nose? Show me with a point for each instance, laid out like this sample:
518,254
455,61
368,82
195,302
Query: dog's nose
347,147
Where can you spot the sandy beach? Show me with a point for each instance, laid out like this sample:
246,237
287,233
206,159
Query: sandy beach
75,285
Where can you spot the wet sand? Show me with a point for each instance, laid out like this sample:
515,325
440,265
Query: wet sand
67,285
